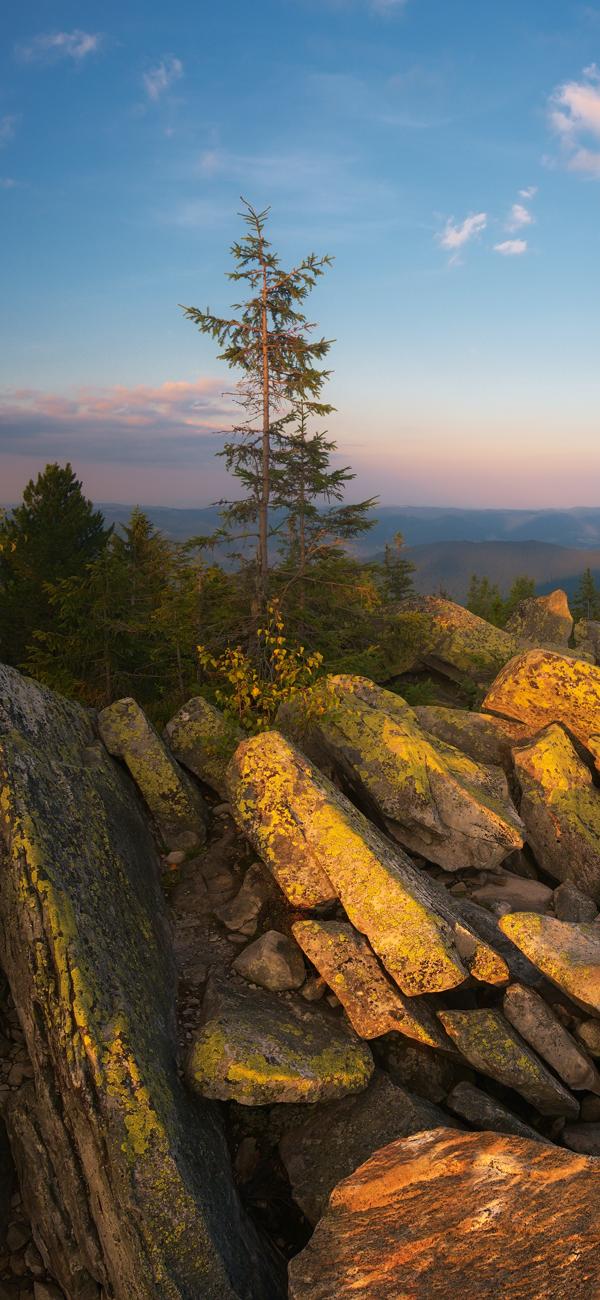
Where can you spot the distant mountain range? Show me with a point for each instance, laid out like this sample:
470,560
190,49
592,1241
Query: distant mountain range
448,545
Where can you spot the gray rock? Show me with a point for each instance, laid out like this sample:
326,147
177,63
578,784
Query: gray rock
483,923
589,1033
273,962
342,1134
570,904
584,1138
485,1113
537,1024
242,912
204,740
515,893
491,1045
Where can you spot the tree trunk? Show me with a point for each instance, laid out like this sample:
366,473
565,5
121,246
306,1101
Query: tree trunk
263,520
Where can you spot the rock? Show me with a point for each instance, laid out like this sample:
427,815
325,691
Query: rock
491,1045
535,1021
485,739
342,1134
318,845
428,1073
204,741
457,643
445,1214
47,1291
561,809
484,1112
590,1109
568,954
570,904
587,638
256,1049
433,799
518,893
539,687
273,962
7,1176
242,912
589,1033
543,620
145,1191
177,808
483,923
17,1236
372,1003
584,1138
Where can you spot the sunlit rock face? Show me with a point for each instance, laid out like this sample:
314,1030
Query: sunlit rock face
560,807
543,620
540,687
458,644
448,1214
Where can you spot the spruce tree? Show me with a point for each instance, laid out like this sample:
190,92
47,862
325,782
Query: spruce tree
586,601
397,571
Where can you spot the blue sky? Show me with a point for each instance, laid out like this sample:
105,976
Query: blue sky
447,152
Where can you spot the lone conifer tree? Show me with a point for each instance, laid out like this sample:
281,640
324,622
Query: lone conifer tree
586,602
269,340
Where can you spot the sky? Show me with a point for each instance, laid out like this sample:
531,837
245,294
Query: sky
445,152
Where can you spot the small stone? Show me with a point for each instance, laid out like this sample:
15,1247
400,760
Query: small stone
222,810
176,857
313,989
589,1033
570,904
47,1291
273,962
242,912
17,1265
516,893
17,1236
236,938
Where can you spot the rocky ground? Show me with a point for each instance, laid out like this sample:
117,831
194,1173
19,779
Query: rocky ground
346,1019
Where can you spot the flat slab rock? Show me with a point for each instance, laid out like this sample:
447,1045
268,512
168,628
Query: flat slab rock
560,806
445,1214
484,738
536,1022
459,644
568,953
484,1112
203,740
540,687
342,1134
491,1045
257,1048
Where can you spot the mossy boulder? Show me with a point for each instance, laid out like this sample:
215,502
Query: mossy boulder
256,1048
373,1004
147,1205
491,1045
442,1214
485,739
560,806
177,808
567,953
458,644
543,620
203,740
320,847
435,800
540,687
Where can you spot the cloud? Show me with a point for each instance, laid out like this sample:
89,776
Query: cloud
574,111
519,216
52,46
455,237
528,193
8,125
511,247
172,424
162,76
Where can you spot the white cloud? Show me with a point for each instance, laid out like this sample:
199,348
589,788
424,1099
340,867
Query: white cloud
519,216
528,193
511,247
162,76
74,45
575,119
454,237
7,127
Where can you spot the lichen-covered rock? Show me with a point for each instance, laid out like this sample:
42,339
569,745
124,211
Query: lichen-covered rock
543,620
560,807
483,923
458,644
177,808
257,1048
319,846
540,687
536,1022
147,1208
491,1045
342,1134
273,962
484,1112
372,1003
571,904
484,738
203,740
568,954
433,799
444,1214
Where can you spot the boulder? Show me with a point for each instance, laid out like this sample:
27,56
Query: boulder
570,904
484,1112
147,1206
543,620
241,913
517,892
589,1033
458,644
203,740
568,954
483,923
273,962
177,808
433,799
257,1048
373,1004
560,807
540,687
582,1137
342,1134
491,1045
319,847
427,1072
485,739
536,1022
444,1214
587,639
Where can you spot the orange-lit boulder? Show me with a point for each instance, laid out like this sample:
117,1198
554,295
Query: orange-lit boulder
540,687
